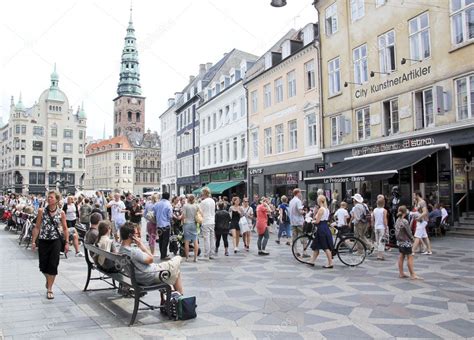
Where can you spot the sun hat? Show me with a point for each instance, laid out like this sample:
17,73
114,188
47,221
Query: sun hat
358,198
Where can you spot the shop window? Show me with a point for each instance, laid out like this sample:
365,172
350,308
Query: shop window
363,123
386,46
424,109
279,136
419,31
331,19
391,122
465,97
462,21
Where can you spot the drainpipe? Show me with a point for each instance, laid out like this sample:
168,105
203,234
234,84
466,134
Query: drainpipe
248,136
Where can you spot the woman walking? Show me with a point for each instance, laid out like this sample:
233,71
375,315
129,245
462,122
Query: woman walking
48,222
263,210
323,238
222,222
236,212
151,223
380,223
190,210
405,242
284,220
245,231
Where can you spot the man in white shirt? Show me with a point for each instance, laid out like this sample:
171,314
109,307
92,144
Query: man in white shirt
208,211
118,214
296,214
342,216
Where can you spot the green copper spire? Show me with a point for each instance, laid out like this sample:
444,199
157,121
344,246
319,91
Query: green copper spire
54,92
81,114
19,106
129,83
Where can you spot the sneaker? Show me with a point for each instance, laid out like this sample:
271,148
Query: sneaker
427,253
226,253
236,250
211,257
263,252
288,243
79,254
277,241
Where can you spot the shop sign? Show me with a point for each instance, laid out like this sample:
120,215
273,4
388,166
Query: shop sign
205,178
237,174
220,176
460,178
257,171
344,179
407,76
398,145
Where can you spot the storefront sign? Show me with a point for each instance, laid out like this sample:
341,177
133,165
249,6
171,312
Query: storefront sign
344,179
460,178
220,176
256,171
237,174
205,178
398,145
407,76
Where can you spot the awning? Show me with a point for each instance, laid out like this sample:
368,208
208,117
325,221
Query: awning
373,167
217,188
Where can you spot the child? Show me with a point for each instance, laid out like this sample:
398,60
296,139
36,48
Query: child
404,240
342,218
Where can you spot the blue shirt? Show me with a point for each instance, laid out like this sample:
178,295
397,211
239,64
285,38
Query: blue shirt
163,213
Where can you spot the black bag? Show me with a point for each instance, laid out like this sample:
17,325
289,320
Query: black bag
308,227
186,307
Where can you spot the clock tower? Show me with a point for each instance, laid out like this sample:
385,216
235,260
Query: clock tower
129,106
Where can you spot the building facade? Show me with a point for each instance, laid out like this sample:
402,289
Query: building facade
168,149
398,99
147,155
109,165
43,146
223,128
284,115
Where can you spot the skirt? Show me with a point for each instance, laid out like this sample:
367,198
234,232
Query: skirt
48,254
323,239
190,231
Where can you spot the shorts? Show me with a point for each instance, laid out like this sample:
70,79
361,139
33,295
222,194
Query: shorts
420,231
405,248
116,227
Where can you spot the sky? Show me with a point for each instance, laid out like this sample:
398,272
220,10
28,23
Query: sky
85,39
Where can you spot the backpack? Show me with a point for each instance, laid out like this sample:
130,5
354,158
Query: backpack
365,217
182,308
284,217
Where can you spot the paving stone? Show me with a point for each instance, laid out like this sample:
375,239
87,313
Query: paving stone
459,326
407,331
348,332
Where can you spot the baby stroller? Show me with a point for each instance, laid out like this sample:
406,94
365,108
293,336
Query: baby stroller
177,241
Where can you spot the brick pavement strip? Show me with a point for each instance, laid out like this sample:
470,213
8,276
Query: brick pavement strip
246,296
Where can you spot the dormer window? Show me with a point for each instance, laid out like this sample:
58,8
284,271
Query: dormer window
285,49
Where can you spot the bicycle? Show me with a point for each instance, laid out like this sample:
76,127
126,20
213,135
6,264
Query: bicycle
349,249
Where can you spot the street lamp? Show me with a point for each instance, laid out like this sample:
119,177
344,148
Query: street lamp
278,3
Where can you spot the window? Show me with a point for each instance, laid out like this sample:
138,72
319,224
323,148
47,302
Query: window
17,129
386,47
81,148
227,150
124,156
137,175
336,131
462,21
124,170
331,19
235,148
268,141
37,161
215,153
81,134
255,144
67,147
363,123
357,9
311,131
203,157
22,160
221,152
208,155
254,100
214,121
267,95
419,31
117,156
242,147
279,90
23,144
242,106
359,58
334,77
279,138
67,133
129,170
37,145
208,123
465,97
152,177
424,109
54,161
81,163
117,170
145,177
291,77
309,75
38,131
129,115
67,162
23,129
293,135
390,117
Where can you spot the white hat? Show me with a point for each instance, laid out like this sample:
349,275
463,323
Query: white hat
358,198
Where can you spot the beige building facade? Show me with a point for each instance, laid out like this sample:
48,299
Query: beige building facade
398,82
284,114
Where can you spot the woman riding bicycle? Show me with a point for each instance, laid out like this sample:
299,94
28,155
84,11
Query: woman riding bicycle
323,239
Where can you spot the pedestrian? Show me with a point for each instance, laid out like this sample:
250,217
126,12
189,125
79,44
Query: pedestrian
151,222
296,210
85,213
46,231
136,212
323,240
405,238
421,223
235,212
361,220
190,209
284,221
253,205
163,215
222,223
263,210
245,229
380,223
208,211
118,210
342,218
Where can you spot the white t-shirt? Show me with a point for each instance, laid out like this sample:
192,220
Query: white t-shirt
341,217
208,210
117,215
296,218
378,218
444,214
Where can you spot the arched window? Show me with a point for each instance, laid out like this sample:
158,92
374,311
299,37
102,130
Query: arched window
138,116
129,116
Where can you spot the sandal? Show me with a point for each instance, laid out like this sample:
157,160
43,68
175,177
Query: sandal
49,295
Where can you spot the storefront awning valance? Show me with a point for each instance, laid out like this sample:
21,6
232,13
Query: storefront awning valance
217,188
373,167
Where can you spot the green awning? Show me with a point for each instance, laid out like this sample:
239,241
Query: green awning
217,188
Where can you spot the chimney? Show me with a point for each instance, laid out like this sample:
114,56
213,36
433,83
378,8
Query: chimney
202,69
208,66
170,102
191,78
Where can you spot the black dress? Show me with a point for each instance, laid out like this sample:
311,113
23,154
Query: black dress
234,220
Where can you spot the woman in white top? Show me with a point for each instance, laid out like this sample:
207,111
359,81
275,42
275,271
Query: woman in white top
380,223
106,243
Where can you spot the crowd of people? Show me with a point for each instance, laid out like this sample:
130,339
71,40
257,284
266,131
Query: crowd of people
114,224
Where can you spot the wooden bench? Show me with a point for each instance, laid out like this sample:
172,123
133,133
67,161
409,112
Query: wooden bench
125,274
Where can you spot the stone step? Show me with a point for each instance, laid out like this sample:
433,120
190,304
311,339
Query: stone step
462,223
463,234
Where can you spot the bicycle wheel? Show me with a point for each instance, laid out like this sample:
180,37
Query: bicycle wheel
351,251
301,248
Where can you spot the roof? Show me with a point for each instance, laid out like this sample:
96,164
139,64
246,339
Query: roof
109,144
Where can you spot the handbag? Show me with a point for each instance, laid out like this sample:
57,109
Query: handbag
181,308
61,236
244,224
198,217
150,216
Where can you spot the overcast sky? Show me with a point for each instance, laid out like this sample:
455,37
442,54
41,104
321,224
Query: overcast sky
85,39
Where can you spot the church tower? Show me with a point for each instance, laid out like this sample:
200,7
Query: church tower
129,106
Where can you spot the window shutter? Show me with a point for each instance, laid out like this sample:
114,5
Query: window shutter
347,126
439,104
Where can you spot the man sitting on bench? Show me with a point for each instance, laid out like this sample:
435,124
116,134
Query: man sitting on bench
147,272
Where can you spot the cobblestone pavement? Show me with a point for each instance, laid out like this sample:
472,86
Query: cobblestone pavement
245,296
